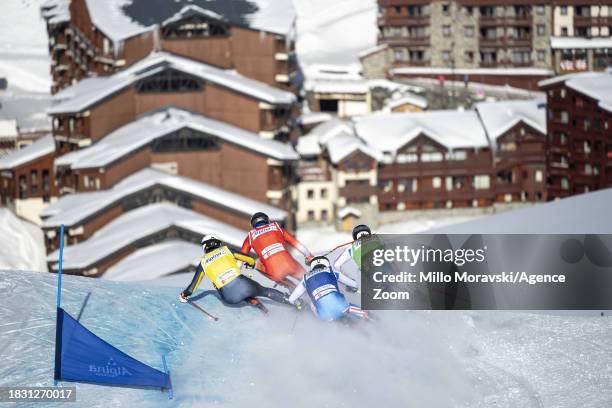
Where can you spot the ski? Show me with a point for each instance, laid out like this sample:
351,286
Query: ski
257,304
201,309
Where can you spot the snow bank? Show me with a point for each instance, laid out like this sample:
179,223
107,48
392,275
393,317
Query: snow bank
21,244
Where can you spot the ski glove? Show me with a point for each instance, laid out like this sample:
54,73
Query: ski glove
182,298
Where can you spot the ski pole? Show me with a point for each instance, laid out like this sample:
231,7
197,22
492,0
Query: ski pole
201,309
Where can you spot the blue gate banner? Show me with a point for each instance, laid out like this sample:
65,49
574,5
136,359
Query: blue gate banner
80,355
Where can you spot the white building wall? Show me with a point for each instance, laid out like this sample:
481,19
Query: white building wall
30,208
560,21
317,203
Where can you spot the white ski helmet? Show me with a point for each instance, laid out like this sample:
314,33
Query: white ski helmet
210,242
319,262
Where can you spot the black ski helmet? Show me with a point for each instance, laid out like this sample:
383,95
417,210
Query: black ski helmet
259,218
319,262
359,230
210,242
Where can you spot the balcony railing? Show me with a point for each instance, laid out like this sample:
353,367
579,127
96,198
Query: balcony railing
406,41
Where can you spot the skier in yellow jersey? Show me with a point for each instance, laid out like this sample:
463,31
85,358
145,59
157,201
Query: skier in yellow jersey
220,266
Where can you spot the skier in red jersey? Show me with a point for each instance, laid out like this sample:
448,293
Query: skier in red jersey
268,240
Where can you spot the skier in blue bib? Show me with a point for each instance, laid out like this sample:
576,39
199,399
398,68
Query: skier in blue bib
321,284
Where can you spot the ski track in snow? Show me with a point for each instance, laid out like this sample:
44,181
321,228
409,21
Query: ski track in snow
409,358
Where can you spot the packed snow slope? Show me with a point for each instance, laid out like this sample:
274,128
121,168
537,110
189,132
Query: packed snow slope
22,244
24,56
421,359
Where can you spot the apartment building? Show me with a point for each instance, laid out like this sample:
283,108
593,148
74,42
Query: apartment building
100,37
495,42
579,142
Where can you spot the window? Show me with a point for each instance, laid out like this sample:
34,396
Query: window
431,157
169,80
310,194
445,55
323,193
97,183
398,55
564,32
446,8
586,124
588,169
468,31
407,158
436,182
23,187
541,29
468,10
311,215
541,55
563,10
34,182
539,176
449,184
386,186
564,183
86,181
446,31
469,56
481,182
324,215
520,57
564,117
562,93
458,155
539,10
328,105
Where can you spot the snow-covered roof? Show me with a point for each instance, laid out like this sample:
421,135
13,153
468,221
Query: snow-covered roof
90,91
108,16
41,147
580,42
273,16
342,213
470,71
498,117
327,130
344,144
452,129
338,138
119,19
190,10
312,118
73,209
373,50
581,214
308,146
139,224
337,86
155,261
55,11
407,98
596,85
147,128
8,129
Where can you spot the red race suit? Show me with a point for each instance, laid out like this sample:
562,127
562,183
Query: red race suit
269,242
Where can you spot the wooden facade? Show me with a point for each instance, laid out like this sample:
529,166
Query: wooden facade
79,49
520,165
209,99
33,180
430,176
579,142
